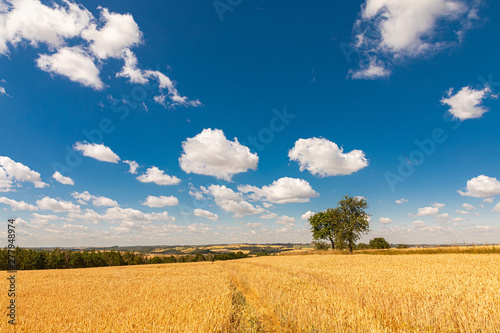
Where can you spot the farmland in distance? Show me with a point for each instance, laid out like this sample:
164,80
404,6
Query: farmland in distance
307,293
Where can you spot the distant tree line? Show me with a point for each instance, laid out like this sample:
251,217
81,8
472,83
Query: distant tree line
27,259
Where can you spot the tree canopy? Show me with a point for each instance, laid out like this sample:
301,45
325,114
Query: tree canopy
343,225
379,243
324,226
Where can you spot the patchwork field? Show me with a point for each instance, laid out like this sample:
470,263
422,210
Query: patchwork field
251,249
307,293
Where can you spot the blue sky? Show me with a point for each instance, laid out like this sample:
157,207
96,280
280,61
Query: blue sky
245,117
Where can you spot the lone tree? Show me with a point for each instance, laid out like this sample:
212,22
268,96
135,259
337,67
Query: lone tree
342,225
353,220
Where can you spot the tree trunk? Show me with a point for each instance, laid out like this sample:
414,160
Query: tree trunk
333,243
351,247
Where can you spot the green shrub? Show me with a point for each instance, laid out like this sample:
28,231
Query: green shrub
362,246
320,245
379,243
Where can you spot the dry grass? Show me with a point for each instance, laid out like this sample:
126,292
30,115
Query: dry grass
365,293
180,298
360,293
474,249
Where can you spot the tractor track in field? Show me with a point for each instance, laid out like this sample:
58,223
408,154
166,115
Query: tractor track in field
251,314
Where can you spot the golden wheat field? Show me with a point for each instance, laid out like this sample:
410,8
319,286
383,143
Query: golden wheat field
308,293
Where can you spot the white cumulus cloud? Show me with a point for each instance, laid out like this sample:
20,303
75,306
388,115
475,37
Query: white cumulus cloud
96,151
73,63
119,32
130,220
99,201
429,211
385,220
467,103
269,216
401,201
285,220
254,225
12,172
34,22
83,197
161,201
438,205
210,153
418,224
323,158
389,31
197,194
232,202
17,205
133,166
206,214
57,206
131,71
468,206
371,72
307,215
481,187
281,191
405,26
62,179
131,217
78,41
444,216
157,176
103,201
